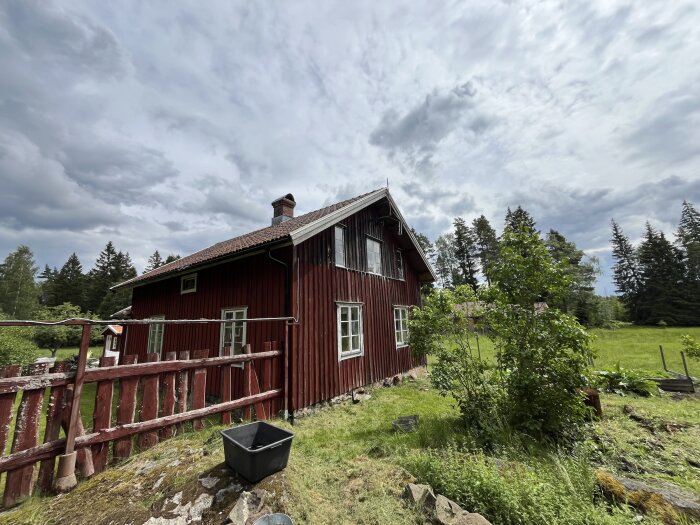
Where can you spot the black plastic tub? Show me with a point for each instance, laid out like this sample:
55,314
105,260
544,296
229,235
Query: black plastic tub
257,450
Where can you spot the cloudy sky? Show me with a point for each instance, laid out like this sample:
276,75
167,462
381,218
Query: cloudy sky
171,126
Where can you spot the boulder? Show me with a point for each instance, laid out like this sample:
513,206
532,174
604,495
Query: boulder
660,498
420,495
249,505
361,398
447,512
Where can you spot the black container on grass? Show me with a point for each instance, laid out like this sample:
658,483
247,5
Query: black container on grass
257,450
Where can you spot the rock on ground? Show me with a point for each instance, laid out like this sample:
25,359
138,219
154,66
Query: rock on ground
249,507
445,511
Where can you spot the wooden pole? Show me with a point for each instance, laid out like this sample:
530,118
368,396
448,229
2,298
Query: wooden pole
66,480
663,358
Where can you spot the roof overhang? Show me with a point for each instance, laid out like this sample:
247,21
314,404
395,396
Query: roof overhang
309,230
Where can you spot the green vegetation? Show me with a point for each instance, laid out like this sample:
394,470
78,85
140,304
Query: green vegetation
16,345
348,466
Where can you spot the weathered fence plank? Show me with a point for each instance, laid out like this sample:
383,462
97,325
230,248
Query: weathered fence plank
126,410
102,416
183,385
226,387
169,395
19,483
54,415
7,405
199,388
149,406
267,376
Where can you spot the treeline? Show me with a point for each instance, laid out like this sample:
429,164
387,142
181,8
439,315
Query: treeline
468,254
659,279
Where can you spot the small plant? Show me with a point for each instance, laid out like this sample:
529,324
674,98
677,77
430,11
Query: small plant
691,347
620,381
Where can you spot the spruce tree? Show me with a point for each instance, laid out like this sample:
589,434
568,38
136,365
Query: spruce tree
47,295
100,277
688,240
625,270
466,253
19,295
519,220
70,284
154,261
486,245
172,258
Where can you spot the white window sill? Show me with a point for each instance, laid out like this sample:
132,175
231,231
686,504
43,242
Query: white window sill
399,347
350,355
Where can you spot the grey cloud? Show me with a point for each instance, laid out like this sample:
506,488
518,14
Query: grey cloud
426,124
229,198
668,133
47,33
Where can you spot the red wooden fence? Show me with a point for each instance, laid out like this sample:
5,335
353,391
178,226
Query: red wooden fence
171,393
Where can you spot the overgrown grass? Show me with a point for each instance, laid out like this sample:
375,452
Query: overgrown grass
66,353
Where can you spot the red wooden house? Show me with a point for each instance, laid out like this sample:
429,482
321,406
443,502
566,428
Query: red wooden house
347,273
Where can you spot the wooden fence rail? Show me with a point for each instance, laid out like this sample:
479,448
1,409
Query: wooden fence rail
168,394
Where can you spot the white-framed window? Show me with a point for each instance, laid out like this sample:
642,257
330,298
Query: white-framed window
108,342
115,342
374,256
155,335
340,246
399,264
350,337
401,325
188,283
233,333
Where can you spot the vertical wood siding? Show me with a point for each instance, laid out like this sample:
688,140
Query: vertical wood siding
318,284
255,282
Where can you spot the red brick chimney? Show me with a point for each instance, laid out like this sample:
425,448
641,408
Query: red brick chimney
283,209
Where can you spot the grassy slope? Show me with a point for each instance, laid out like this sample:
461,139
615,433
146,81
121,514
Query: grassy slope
347,466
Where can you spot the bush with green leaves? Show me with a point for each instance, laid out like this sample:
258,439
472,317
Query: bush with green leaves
620,381
16,345
58,336
444,328
691,347
542,353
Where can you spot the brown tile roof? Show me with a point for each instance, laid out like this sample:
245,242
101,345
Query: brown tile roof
240,243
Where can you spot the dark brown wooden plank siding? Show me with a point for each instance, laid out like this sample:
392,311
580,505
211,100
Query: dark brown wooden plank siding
318,284
255,282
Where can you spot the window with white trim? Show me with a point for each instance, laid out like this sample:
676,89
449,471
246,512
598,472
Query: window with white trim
399,264
340,246
188,283
115,342
350,339
155,335
401,325
233,333
374,256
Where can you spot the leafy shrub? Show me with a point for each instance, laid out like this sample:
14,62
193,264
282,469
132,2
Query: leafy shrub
16,346
444,328
619,380
691,347
546,491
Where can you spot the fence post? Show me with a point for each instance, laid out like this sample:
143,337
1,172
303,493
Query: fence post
149,405
126,410
54,417
169,396
183,384
19,483
247,380
199,388
65,479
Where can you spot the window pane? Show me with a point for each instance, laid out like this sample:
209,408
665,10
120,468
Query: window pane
356,343
356,328
345,344
344,328
343,313
340,246
355,313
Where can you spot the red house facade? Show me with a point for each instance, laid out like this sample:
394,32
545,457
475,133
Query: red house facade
347,273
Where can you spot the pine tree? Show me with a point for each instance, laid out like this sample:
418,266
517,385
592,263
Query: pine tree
520,219
19,295
661,298
100,277
70,284
486,245
425,245
465,253
172,258
154,261
445,260
688,240
47,295
626,270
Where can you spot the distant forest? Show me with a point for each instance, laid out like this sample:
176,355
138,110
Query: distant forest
658,282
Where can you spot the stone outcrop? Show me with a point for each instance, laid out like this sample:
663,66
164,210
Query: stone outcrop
443,510
249,507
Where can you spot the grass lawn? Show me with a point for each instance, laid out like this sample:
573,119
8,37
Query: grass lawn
66,353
